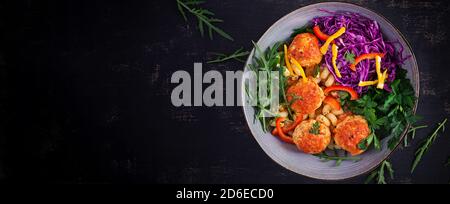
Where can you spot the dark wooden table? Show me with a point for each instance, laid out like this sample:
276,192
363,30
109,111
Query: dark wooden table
85,93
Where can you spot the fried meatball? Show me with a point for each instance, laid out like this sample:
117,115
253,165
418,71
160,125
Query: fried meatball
305,49
350,132
308,141
305,97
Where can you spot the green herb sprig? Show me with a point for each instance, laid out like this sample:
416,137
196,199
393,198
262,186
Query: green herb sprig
315,128
379,173
204,18
304,29
265,62
412,133
338,159
387,113
350,57
236,55
427,143
316,72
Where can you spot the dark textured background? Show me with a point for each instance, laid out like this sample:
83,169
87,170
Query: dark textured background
85,92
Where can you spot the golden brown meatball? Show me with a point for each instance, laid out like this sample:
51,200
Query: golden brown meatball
305,97
305,49
309,140
350,132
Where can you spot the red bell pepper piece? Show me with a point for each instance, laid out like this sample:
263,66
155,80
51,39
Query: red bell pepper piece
319,34
333,102
363,57
350,90
289,127
281,134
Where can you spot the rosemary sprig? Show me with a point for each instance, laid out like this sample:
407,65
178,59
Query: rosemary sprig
324,157
412,132
236,55
379,173
204,17
427,143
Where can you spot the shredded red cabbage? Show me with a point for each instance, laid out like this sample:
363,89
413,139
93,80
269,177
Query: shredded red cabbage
362,35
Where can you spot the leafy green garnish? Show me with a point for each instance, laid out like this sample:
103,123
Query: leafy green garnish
303,29
204,17
365,143
343,97
338,159
264,63
283,85
350,57
379,173
412,131
236,55
387,113
315,128
316,71
427,143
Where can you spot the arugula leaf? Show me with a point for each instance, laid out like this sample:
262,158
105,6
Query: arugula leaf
379,173
412,131
236,55
204,18
265,62
323,156
304,29
427,143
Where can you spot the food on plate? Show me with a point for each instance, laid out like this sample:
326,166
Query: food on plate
311,136
305,49
305,96
342,88
350,132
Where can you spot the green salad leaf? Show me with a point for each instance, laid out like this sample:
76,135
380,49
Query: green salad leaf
388,113
378,174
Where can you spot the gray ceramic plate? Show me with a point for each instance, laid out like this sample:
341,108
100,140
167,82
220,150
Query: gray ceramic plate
287,155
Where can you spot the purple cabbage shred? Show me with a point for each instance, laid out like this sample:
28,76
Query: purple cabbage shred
362,36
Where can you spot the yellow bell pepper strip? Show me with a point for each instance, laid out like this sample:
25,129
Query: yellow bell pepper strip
286,60
298,69
363,57
381,76
334,51
383,79
325,45
378,66
367,83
